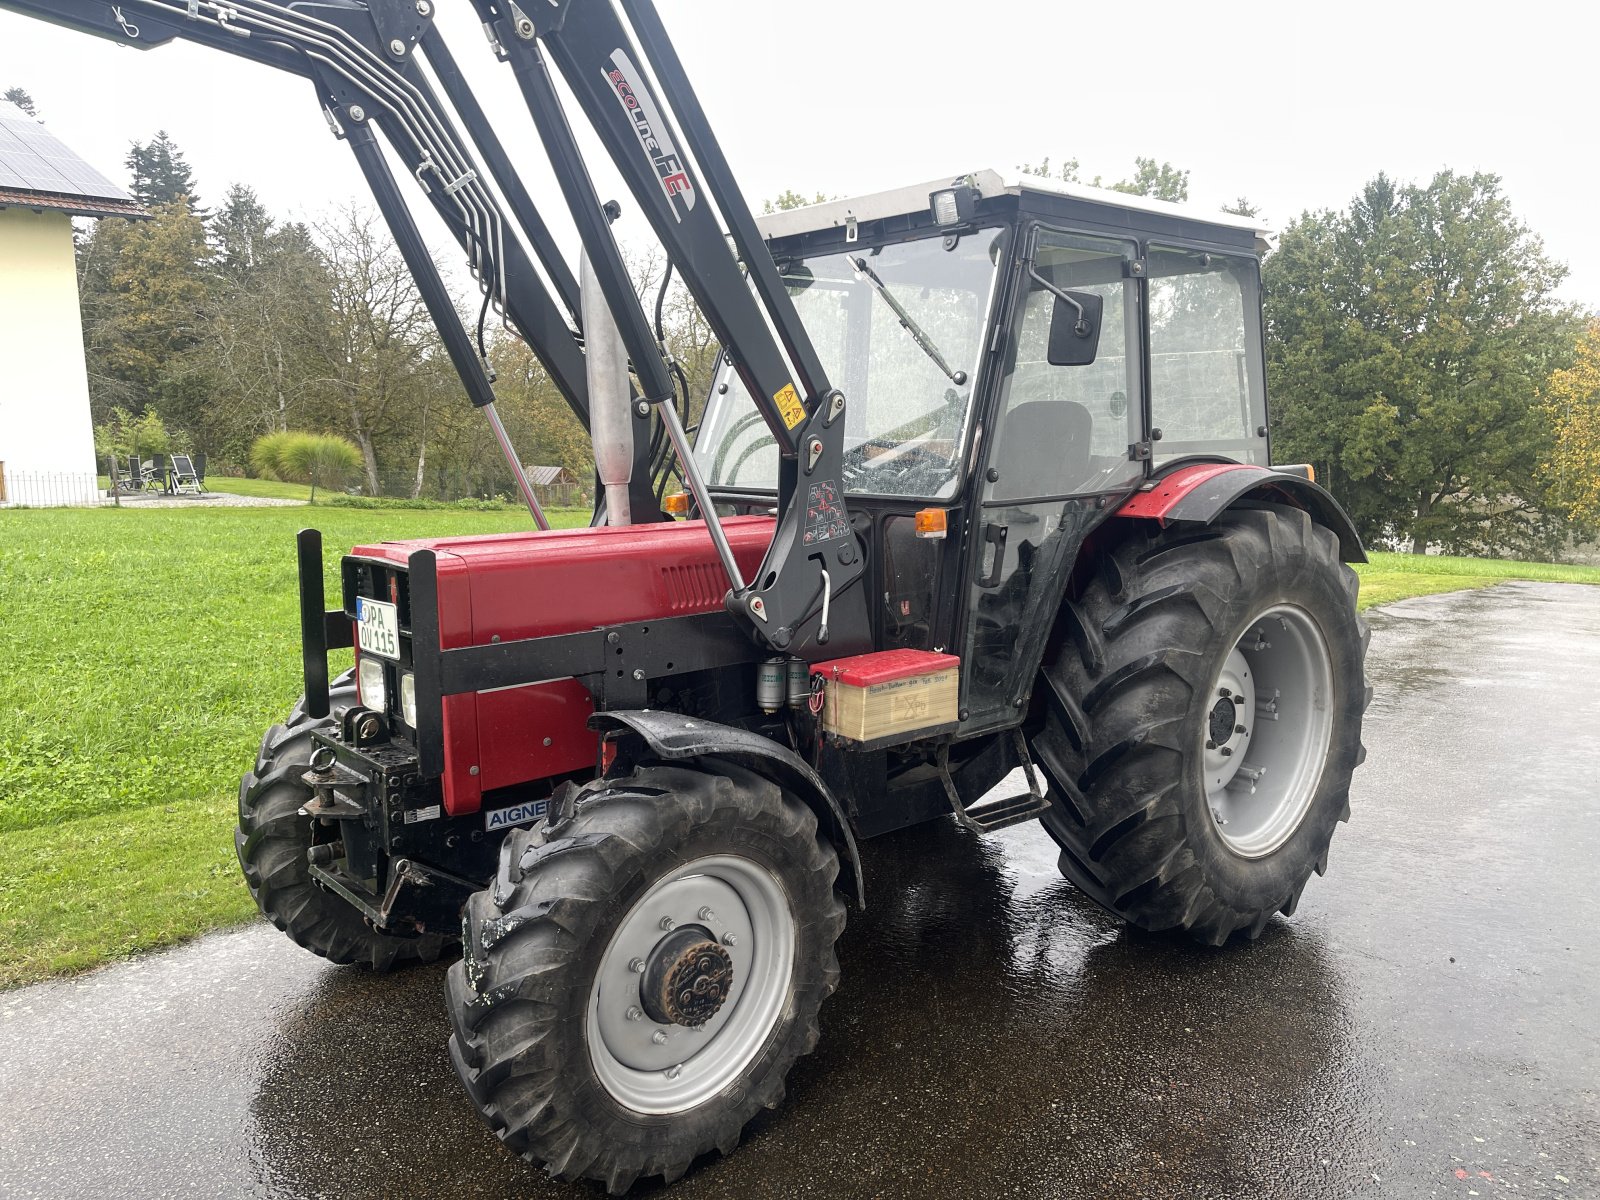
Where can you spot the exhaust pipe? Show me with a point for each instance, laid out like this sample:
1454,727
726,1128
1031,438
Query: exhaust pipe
610,399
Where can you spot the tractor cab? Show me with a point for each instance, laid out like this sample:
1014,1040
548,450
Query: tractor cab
1017,357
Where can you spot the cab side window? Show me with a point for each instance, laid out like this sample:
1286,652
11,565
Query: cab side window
1206,391
1065,430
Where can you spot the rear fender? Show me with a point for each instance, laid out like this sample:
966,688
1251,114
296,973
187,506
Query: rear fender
1201,492
673,737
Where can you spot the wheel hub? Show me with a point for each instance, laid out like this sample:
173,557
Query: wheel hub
1267,731
1224,716
692,981
687,978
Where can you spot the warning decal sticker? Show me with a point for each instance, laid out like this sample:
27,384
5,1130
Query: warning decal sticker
788,402
824,514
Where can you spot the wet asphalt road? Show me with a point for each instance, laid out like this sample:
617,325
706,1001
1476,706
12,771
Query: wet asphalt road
1427,1025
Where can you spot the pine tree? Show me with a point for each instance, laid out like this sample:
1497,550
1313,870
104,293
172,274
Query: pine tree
242,232
161,175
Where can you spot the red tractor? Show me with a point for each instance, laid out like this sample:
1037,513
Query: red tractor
981,491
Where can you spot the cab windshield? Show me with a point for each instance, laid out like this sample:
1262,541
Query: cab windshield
899,329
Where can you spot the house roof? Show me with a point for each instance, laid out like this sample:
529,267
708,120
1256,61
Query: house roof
543,476
38,170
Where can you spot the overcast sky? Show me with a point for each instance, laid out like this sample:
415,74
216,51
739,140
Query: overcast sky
1294,106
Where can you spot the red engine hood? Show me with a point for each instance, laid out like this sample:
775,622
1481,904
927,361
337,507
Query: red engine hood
525,585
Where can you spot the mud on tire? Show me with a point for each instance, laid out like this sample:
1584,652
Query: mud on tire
272,839
1123,702
535,940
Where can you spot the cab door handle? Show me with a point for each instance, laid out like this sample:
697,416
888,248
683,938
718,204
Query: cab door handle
994,535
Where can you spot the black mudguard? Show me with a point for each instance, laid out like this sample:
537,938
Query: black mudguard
672,736
1209,499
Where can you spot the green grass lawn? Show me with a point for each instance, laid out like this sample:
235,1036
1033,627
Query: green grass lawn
239,486
146,651
1390,577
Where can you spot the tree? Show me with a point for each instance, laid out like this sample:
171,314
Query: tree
22,100
270,298
375,338
1160,181
1241,208
161,175
123,434
144,292
1407,338
789,198
1572,406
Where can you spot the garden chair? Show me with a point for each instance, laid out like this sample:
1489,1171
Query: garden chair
154,474
184,478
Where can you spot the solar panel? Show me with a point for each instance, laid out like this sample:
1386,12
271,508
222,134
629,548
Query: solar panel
33,159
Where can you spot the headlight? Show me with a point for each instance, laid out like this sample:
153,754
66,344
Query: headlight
408,699
954,206
370,682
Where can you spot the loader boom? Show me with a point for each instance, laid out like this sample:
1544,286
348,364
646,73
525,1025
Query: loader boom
364,58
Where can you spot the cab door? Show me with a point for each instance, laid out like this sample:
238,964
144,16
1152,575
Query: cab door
1059,448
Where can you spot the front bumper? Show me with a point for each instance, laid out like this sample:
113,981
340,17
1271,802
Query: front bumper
395,856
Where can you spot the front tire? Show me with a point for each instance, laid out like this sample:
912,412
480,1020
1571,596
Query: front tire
1202,707
570,1047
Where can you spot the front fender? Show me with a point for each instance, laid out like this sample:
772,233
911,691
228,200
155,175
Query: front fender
1201,492
673,737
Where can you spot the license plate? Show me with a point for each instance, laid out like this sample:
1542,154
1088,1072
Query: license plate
377,628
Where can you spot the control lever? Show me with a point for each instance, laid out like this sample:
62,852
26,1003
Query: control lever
827,595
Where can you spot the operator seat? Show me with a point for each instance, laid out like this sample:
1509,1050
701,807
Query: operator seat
1044,450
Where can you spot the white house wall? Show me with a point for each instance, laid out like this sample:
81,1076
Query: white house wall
44,388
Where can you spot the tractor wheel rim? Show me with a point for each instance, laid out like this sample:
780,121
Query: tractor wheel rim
657,1067
1266,730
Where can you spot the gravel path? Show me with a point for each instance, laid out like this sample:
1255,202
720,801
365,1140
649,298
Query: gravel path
209,500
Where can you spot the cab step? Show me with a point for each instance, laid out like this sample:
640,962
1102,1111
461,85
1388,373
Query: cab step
1008,810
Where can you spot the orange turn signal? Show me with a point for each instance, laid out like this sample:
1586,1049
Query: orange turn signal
675,504
931,523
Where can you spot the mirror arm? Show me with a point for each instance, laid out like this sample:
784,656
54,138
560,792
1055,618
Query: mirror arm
1082,327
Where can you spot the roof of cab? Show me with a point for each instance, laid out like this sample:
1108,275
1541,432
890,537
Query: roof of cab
914,198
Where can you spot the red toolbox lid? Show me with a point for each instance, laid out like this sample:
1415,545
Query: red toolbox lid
881,666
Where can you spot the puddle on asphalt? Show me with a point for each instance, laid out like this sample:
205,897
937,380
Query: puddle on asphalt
991,1021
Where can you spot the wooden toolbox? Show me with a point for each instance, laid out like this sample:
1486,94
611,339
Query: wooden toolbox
890,695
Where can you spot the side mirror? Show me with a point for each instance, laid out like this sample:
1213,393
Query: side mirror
1075,329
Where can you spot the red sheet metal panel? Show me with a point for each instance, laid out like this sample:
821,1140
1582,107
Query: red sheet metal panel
525,585
1160,500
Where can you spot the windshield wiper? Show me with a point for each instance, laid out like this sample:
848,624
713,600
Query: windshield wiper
906,322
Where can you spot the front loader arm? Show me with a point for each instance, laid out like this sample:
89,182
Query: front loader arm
680,179
361,57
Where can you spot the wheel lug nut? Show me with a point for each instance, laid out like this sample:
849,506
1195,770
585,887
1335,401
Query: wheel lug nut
1210,745
1239,729
634,1014
729,939
1224,693
1227,752
659,1037
666,924
637,966
706,914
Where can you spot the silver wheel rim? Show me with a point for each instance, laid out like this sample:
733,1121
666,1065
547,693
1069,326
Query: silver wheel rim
742,906
1263,765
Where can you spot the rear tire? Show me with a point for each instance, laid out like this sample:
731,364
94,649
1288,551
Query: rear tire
1153,807
550,1033
272,839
